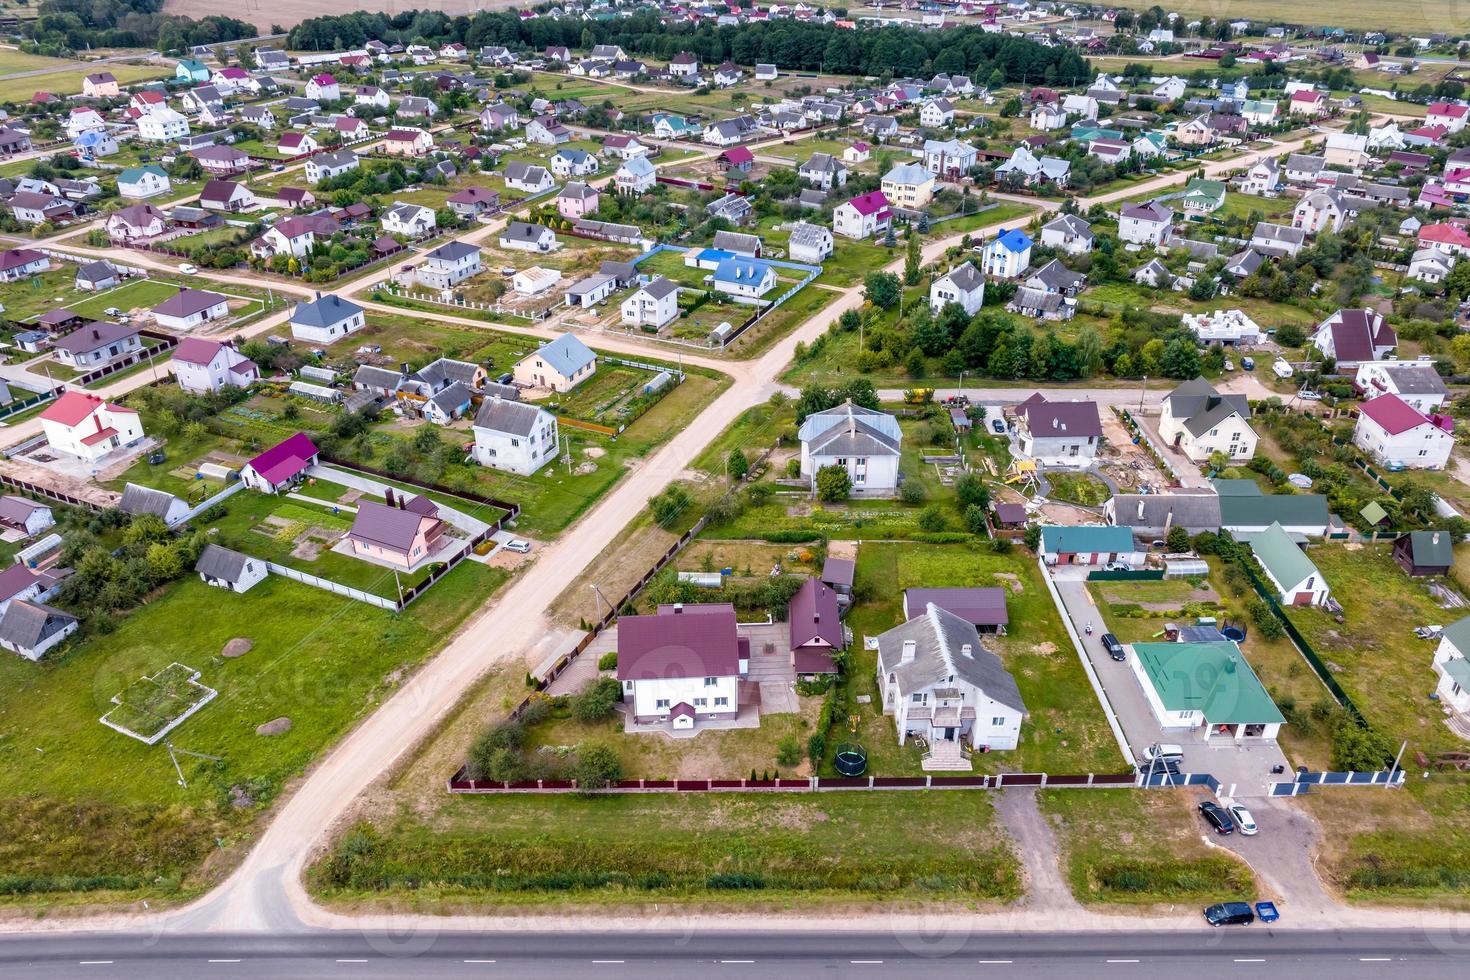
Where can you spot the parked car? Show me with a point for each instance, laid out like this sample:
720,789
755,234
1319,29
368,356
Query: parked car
1244,820
1164,750
520,545
1113,647
1217,817
112,311
1116,566
188,269
1230,914
1249,363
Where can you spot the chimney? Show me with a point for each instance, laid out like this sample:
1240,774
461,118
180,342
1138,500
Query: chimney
817,616
678,608
910,649
967,651
403,368
1435,539
1140,510
388,496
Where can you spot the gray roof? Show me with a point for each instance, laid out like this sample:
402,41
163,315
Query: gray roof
734,241
845,415
1150,510
146,500
453,251
376,377
661,287
1030,298
221,563
499,415
27,624
965,277
524,231
332,161
1070,224
1416,379
940,638
451,397
1055,276
824,163
94,335
566,354
444,370
97,271
1202,407
529,173
324,311
854,438
805,233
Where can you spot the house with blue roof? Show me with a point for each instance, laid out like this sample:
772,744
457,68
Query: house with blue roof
1088,544
908,185
744,278
573,163
559,364
192,70
95,144
707,258
669,126
1008,255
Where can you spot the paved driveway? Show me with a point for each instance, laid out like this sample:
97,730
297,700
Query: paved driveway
1243,770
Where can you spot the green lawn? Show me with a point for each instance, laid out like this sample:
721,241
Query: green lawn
737,851
1078,488
70,82
755,430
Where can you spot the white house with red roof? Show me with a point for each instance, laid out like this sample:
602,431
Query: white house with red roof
682,665
81,424
323,88
148,100
280,466
230,78
351,127
1306,103
1399,435
294,144
208,365
1353,336
1449,237
863,216
1447,114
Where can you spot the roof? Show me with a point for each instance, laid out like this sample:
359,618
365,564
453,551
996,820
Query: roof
1281,557
1393,414
660,287
1212,678
814,618
1415,379
1431,548
838,571
964,277
1242,505
138,499
1201,407
1152,211
187,302
17,508
26,624
1174,509
285,459
1458,633
1056,419
324,311
1086,539
566,354
741,271
981,606
908,173
98,333
15,579
694,642
940,640
390,527
873,202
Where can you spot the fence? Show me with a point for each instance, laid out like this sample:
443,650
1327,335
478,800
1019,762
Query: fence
1132,575
47,492
496,308
16,407
460,783
1304,781
512,510
316,581
165,343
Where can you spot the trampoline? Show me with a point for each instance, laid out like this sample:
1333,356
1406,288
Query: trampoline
851,759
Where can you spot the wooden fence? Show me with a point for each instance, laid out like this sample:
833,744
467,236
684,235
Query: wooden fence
460,783
38,490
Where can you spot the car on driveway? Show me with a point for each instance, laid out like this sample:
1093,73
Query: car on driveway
1217,817
1113,647
1230,914
999,426
520,545
1244,820
1117,566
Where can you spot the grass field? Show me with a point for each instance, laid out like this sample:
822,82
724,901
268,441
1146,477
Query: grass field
1420,16
70,82
12,61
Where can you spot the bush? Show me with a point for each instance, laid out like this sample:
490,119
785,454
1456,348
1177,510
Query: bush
1268,625
1178,539
975,520
758,494
833,484
971,491
788,752
596,701
932,519
909,492
597,766
1001,546
793,468
737,465
1357,748
608,661
668,505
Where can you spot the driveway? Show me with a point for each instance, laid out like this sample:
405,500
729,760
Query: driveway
1185,470
1243,770
1283,856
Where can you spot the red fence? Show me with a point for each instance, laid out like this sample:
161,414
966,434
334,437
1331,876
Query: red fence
459,783
37,490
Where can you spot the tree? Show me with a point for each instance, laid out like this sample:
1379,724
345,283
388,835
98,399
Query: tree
932,520
1457,283
970,490
1180,360
668,505
1032,537
737,465
975,520
1177,540
596,701
1290,335
1357,748
890,240
833,484
597,766
911,260
914,363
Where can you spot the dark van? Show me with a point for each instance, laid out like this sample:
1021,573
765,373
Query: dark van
1230,914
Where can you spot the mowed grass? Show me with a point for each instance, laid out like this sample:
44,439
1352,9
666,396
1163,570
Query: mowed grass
737,850
70,82
82,800
1402,18
12,60
1125,847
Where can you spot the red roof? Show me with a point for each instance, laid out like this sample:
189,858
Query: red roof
284,460
196,350
74,407
816,627
15,258
99,436
678,645
1305,96
873,202
404,135
324,79
1393,414
1447,109
1445,234
737,154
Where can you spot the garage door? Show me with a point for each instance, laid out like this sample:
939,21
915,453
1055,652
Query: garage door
1302,599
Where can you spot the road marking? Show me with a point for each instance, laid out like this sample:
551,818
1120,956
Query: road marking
993,962
352,961
479,961
1249,961
866,962
95,963
1375,959
221,961
737,961
1122,961
608,962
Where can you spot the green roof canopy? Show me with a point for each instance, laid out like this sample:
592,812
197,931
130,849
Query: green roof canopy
1212,678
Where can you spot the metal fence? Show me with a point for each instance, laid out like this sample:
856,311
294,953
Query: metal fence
47,492
460,783
1304,781
1132,575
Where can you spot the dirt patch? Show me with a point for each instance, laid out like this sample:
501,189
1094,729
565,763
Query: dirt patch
843,549
585,468
505,558
1044,649
595,452
276,726
237,647
1013,581
311,543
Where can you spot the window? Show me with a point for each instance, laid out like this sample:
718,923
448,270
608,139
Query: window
661,703
919,698
997,722
711,681
722,702
701,702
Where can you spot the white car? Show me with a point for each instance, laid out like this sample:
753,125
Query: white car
518,544
188,269
1244,820
112,311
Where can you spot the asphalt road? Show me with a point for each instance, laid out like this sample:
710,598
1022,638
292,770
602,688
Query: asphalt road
1253,951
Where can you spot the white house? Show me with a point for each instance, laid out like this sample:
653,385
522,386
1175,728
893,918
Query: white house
323,88
327,165
963,284
1320,210
1068,233
1224,699
1145,224
1058,434
1263,178
25,516
1222,327
635,176
1416,383
534,280
202,366
162,125
1400,436
1452,668
522,236
188,308
809,243
326,319
936,112
1295,580
1199,421
559,364
863,216
141,182
514,436
1007,255
743,278
412,220
654,304
1351,337
1047,115
449,265
81,424
226,569
682,665
863,441
939,681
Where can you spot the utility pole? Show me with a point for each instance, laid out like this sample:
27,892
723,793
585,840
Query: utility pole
1143,393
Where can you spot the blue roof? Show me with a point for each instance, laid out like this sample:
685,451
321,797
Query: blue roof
744,272
638,166
1086,539
576,156
134,174
714,255
566,354
1014,240
324,311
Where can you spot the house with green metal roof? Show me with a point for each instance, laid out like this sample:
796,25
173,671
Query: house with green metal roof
190,70
1208,687
1202,196
1453,668
1296,581
1421,553
1088,544
1245,510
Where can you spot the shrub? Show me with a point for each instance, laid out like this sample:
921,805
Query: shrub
596,701
816,748
910,492
1032,537
932,519
793,468
1357,748
737,465
788,752
975,519
597,766
1268,625
758,494
1001,546
1178,539
833,484
971,491
668,505
608,661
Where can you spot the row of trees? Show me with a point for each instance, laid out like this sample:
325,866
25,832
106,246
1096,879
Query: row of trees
71,26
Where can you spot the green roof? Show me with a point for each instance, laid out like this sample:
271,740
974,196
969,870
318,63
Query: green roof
132,174
1280,556
1431,548
1459,670
1237,488
1244,510
1373,513
1458,633
1086,539
1212,678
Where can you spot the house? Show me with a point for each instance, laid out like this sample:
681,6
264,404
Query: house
863,441
858,152
1453,670
809,243
1058,434
282,466
1068,233
734,208
415,107
1154,274
19,583
534,280
1400,436
1351,337
1222,327
191,70
964,284
92,145
1245,510
324,166
226,195
24,516
295,144
682,664
1145,224
950,159
814,627
1295,580
1277,240
1430,265
939,682
522,236
527,177
573,163
497,118
1056,279
514,436
668,126
1418,553
576,199
411,220
22,263
1346,150
561,365
1302,168
743,278
1151,516
202,366
823,170
141,182
547,131
1047,116
96,276
136,222
96,344
80,424
296,235
1007,255
1202,196
908,185
936,113
683,65
138,500
34,207
1032,171
326,319
188,308
323,88
590,291
100,85
1263,178
1417,384
1088,544
983,608
162,125
622,147
1321,210
1199,421
31,628
1208,687
226,569
407,142
1447,114
653,304
402,536
449,265
1309,103
635,176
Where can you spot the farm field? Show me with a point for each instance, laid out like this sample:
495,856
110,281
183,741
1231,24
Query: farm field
70,82
1405,18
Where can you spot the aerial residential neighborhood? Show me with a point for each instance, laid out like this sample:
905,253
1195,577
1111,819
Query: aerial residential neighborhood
801,466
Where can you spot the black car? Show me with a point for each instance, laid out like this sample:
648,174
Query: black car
1230,914
1218,817
1115,649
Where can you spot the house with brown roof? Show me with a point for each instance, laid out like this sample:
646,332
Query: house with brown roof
982,608
403,532
682,665
814,620
1352,337
1058,434
96,344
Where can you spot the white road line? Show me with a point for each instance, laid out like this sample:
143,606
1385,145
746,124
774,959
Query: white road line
352,961
1249,961
993,962
1121,961
866,962
479,961
1375,959
608,962
737,961
95,963
221,961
